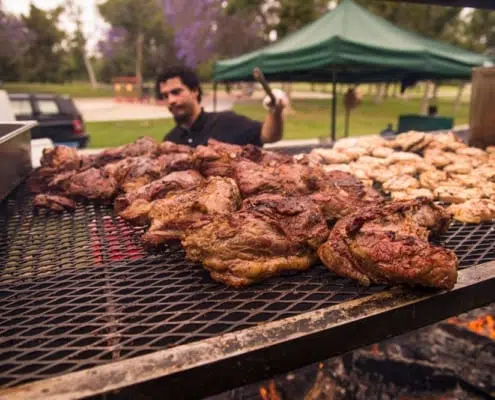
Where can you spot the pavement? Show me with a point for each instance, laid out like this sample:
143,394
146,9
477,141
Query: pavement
108,109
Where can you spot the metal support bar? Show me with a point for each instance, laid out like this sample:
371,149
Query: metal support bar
215,83
334,105
220,363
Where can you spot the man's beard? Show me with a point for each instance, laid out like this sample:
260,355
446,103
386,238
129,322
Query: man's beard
183,117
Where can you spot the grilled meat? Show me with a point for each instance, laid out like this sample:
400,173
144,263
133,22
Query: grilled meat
159,188
92,184
254,178
390,245
339,193
270,234
142,146
133,172
179,210
53,202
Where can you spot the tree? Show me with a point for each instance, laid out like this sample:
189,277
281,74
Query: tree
480,31
294,14
141,20
43,60
14,42
78,63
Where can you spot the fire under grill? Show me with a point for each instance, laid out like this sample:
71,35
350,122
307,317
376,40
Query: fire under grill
79,291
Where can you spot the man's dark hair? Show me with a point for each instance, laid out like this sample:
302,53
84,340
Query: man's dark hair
432,110
186,75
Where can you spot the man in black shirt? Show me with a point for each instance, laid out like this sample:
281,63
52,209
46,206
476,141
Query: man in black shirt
180,88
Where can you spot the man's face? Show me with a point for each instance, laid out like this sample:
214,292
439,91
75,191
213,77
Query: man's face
180,100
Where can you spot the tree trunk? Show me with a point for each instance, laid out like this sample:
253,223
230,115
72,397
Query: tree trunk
395,90
426,98
380,88
387,87
90,71
139,59
436,88
458,97
370,89
312,86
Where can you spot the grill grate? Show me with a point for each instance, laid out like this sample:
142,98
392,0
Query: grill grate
78,290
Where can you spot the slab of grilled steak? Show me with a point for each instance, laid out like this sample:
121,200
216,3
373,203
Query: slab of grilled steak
389,244
270,234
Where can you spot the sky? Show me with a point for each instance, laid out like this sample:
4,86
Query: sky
93,25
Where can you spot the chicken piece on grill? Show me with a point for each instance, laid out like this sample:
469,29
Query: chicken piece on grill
179,210
390,245
270,234
474,211
159,188
339,193
254,178
53,202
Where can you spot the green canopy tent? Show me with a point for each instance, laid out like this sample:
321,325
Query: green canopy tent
351,45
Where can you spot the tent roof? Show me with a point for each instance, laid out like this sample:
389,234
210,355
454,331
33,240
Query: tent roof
359,45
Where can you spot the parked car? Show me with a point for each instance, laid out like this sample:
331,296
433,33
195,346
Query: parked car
58,117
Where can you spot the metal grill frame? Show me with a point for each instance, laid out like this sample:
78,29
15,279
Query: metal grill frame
224,362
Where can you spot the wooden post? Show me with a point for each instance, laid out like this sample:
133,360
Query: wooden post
482,116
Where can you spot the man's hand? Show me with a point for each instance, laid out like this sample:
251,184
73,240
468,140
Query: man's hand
282,102
273,126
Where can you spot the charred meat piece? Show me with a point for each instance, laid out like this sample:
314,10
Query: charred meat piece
173,148
270,234
61,158
254,178
170,162
212,162
390,245
339,193
133,172
53,161
53,202
143,146
157,189
92,184
179,210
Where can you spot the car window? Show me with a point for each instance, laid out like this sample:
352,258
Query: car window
21,107
48,107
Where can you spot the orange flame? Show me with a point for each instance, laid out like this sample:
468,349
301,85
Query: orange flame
484,325
271,393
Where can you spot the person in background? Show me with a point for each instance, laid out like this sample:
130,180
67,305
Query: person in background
432,111
180,88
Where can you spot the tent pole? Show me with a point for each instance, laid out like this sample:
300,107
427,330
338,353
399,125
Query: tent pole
214,96
334,104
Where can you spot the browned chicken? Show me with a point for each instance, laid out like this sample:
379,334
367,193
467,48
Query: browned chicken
270,234
389,244
53,202
172,215
157,189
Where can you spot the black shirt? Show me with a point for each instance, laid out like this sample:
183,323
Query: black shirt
225,126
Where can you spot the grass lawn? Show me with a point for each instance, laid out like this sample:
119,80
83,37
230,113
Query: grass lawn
310,120
73,89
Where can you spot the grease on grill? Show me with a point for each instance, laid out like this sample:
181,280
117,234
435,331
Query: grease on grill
78,290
